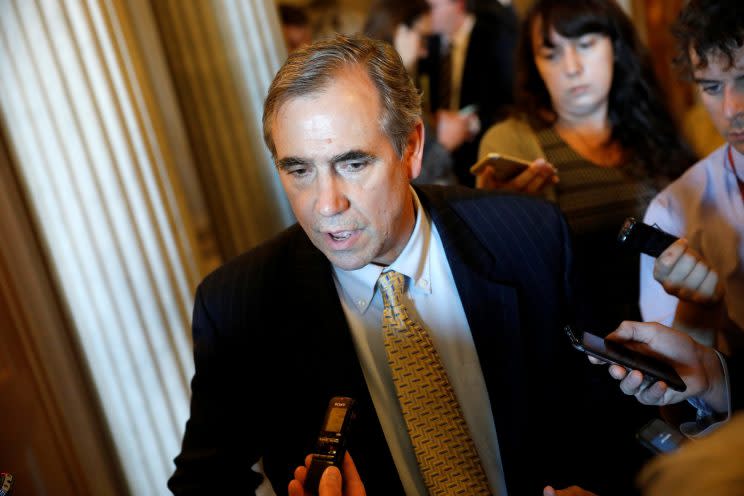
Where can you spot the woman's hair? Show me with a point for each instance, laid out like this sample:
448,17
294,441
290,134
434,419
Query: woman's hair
386,15
640,121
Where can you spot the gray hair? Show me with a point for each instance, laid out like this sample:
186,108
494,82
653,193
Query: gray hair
311,69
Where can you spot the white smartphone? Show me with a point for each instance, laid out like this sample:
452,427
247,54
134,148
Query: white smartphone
504,167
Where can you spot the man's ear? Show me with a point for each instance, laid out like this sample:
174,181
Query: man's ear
415,150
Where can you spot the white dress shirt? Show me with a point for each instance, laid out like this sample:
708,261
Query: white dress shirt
705,206
432,299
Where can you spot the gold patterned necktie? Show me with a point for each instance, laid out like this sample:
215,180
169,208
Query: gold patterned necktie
441,439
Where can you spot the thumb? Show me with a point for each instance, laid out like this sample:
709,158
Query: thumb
548,491
330,482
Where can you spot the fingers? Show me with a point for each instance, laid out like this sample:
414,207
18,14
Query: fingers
535,177
299,474
330,482
548,491
618,372
485,180
641,332
595,361
295,489
684,274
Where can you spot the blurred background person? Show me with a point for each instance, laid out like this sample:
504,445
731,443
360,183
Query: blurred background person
295,26
407,25
470,68
590,117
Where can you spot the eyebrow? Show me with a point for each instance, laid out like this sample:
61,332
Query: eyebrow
286,163
705,81
351,155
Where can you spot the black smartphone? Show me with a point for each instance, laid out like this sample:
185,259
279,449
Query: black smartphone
660,437
330,446
639,237
653,369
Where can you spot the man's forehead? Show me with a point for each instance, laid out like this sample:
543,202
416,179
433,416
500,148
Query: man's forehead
717,63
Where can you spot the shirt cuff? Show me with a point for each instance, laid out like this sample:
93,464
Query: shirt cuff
707,419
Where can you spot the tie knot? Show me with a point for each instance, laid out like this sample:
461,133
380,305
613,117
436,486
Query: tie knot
391,287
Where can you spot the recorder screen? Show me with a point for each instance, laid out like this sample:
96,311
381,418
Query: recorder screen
335,419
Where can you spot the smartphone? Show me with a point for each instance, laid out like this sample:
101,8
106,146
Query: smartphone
504,166
653,369
660,437
330,446
639,237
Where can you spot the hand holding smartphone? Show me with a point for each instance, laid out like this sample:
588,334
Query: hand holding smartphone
652,368
504,167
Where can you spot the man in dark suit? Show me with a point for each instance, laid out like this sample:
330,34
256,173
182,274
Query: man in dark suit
471,63
283,328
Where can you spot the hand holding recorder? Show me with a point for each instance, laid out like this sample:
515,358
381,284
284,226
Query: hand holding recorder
498,171
679,268
331,482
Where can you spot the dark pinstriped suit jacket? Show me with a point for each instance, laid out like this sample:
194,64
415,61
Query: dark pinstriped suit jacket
272,346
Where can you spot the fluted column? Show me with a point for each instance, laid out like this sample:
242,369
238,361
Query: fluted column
223,55
99,175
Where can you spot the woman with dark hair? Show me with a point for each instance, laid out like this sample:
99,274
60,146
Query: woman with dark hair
406,24
590,118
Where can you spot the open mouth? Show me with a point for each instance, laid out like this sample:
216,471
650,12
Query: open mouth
340,236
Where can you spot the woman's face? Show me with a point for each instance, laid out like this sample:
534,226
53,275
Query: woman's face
576,71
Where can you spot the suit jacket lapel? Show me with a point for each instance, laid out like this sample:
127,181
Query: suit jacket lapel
491,304
334,368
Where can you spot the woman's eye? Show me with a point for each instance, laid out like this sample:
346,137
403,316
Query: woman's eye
548,54
587,42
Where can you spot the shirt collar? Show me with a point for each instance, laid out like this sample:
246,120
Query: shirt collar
738,160
359,285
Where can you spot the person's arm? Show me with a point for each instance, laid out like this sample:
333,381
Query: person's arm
331,482
203,467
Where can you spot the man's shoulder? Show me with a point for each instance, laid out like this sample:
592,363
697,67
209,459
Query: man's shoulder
488,209
268,259
692,183
471,196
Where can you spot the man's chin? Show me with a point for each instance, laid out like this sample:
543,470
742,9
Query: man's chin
347,263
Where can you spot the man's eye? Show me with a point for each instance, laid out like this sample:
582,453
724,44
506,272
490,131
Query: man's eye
353,166
711,89
298,171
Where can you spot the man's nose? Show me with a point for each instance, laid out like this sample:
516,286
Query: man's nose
332,199
733,101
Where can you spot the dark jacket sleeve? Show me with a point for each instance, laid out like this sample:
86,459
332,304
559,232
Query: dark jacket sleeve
206,464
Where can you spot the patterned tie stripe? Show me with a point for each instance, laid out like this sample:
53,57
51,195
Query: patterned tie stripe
441,439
